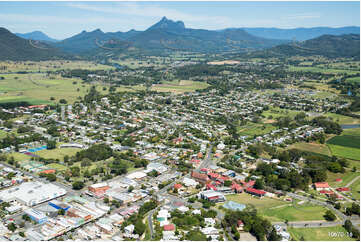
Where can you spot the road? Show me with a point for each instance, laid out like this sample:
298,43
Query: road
352,181
343,217
208,161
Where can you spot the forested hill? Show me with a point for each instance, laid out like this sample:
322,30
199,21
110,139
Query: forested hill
15,48
331,46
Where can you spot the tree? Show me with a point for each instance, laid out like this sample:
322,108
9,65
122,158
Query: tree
139,227
77,185
61,212
12,227
51,177
337,205
273,236
63,101
329,216
228,183
258,184
51,144
130,188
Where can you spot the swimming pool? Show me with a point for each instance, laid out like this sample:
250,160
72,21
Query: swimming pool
37,149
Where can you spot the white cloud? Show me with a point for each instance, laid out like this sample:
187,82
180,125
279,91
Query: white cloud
133,9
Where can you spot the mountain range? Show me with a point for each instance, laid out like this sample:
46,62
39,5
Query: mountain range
16,48
36,35
168,35
331,46
301,34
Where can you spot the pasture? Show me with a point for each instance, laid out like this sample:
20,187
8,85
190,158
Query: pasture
312,147
179,86
346,145
44,66
39,88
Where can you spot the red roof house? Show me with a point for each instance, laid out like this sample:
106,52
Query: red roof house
236,187
203,178
343,189
256,192
339,180
321,186
169,227
210,186
178,186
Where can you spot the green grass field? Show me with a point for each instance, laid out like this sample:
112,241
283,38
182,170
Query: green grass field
346,178
355,189
277,210
341,119
38,88
179,86
43,66
57,153
353,79
295,212
319,234
313,147
251,129
57,167
321,70
346,145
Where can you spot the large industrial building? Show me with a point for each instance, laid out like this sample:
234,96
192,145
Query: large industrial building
32,193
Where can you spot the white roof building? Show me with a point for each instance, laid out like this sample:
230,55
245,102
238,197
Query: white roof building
32,193
188,182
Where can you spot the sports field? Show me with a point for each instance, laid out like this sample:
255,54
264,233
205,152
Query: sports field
277,210
319,234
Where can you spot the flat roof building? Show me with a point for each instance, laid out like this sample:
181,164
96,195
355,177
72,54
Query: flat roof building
32,193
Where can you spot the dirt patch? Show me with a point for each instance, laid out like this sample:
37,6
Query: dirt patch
269,121
225,62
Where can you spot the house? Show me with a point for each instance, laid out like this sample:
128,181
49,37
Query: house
321,186
188,182
240,225
212,196
237,188
209,222
255,192
343,189
202,178
178,186
129,229
169,227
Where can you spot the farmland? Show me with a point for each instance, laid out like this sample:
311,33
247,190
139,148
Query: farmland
346,145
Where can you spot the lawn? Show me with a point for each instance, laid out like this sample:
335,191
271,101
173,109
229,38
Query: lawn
251,129
341,119
260,204
57,166
57,153
346,178
319,234
313,147
355,189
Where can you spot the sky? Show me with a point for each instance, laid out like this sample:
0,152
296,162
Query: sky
61,20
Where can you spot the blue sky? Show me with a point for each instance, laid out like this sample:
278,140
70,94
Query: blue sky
64,19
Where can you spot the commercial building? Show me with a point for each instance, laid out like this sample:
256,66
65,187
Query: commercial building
212,196
36,216
32,193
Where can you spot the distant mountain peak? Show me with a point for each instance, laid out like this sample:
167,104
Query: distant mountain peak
168,24
36,35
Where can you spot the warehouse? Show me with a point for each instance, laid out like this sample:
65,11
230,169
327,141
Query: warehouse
32,193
